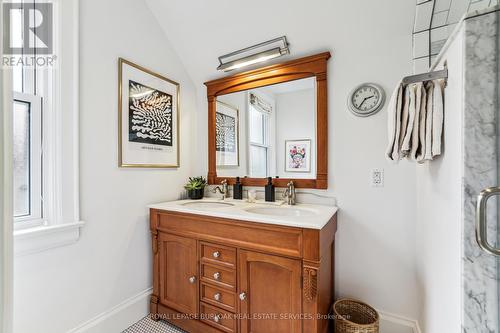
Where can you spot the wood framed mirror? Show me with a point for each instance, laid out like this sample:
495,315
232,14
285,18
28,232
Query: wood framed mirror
270,122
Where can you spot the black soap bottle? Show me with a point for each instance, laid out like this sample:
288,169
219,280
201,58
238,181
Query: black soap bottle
269,189
237,189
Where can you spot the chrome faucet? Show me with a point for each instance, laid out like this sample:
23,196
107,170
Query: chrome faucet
289,193
224,191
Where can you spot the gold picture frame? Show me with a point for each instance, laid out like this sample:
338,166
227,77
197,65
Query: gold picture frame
121,63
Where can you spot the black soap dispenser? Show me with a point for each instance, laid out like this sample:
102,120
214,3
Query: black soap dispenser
237,189
270,190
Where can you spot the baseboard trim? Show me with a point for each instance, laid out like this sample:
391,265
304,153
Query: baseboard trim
119,317
400,320
131,310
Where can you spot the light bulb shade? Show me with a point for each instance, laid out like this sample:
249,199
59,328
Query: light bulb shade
260,56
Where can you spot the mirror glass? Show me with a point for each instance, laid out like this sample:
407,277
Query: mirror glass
268,131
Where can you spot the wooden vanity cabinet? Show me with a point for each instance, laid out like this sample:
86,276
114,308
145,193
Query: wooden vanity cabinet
178,271
272,288
219,275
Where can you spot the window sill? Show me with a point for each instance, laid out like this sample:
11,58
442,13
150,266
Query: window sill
38,239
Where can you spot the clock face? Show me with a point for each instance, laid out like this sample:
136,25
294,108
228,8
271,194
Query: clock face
366,99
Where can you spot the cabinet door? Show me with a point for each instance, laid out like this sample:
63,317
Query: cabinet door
178,273
269,293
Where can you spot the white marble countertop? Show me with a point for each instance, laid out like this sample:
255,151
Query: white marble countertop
298,216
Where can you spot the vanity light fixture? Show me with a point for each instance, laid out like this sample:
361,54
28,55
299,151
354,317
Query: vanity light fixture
254,54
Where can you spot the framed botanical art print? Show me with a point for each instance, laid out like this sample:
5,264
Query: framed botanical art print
298,155
227,135
148,109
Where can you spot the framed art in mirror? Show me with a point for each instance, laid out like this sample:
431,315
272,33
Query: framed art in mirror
148,118
270,122
227,135
297,155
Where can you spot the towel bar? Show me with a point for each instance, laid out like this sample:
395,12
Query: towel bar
436,75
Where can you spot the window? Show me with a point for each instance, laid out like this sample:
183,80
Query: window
27,131
258,128
45,122
27,159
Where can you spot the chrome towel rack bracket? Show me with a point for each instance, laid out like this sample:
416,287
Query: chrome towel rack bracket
436,75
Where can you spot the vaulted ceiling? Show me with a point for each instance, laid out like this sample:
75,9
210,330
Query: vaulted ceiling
202,30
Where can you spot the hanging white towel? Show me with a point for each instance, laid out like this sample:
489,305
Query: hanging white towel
437,118
394,123
429,86
415,121
406,145
420,151
404,118
415,134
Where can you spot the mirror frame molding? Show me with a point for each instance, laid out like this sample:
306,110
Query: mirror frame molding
311,66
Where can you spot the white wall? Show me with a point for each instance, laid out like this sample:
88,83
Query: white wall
370,41
439,207
60,289
295,120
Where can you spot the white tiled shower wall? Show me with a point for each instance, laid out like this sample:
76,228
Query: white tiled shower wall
435,20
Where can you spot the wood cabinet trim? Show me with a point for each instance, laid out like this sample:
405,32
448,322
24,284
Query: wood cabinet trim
311,66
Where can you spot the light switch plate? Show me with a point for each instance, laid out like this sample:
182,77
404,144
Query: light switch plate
377,177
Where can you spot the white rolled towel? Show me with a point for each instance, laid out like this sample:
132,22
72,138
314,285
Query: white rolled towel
404,116
437,118
429,86
420,104
394,123
406,143
420,153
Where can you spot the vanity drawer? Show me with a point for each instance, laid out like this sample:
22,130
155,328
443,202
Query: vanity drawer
218,296
220,254
223,277
223,320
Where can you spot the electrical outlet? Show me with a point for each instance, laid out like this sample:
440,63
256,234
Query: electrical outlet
377,177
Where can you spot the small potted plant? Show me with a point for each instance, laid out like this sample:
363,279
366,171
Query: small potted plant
196,187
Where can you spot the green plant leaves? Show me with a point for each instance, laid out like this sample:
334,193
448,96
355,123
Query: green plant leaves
195,183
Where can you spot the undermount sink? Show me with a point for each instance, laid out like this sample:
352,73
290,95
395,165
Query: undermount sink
207,204
281,211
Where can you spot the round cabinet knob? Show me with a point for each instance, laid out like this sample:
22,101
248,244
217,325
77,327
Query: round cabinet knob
217,297
216,254
216,275
243,296
217,318
192,279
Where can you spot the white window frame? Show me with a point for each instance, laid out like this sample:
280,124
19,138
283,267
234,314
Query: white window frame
35,218
61,220
265,132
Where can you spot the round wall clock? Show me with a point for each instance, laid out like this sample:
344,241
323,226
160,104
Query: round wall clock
366,99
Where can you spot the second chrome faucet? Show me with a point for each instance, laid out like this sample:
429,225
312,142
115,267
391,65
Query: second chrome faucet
289,193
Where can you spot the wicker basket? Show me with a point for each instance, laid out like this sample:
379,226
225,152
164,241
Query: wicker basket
352,316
